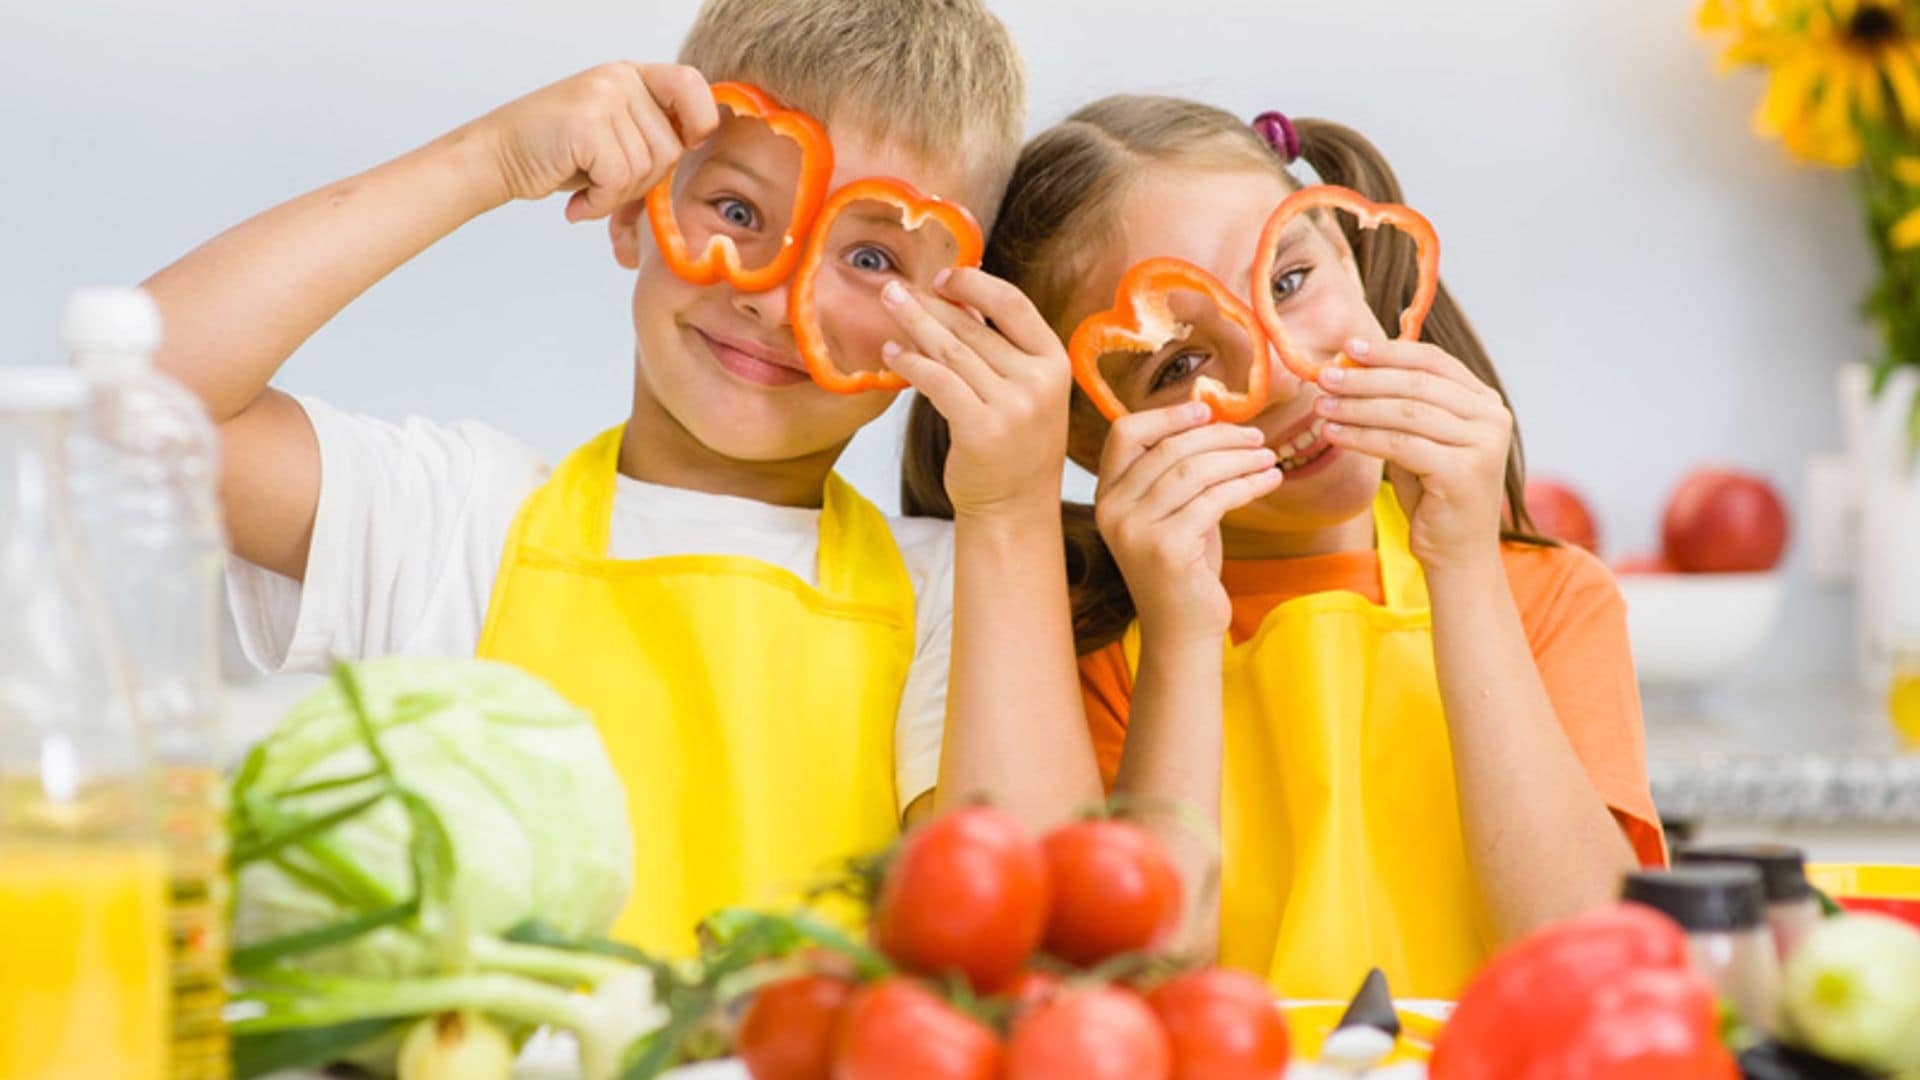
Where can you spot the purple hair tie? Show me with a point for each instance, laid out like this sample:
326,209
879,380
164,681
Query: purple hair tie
1274,127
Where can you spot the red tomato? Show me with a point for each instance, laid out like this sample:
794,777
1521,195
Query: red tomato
1558,511
1723,522
788,1032
1643,564
1102,1034
1114,891
895,1030
1223,1025
967,893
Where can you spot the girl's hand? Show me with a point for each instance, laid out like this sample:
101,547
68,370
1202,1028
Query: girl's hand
1443,433
608,134
1167,477
1000,378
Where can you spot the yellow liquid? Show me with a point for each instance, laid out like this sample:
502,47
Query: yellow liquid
1903,702
83,962
197,921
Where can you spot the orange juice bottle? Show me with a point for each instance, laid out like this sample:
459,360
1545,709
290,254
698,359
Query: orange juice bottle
83,877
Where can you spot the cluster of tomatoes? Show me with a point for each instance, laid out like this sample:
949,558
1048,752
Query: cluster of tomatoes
1014,961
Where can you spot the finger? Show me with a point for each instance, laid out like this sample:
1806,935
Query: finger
683,93
1411,415
1403,383
1420,456
1005,306
1135,433
663,145
940,384
1204,511
1413,355
971,329
1188,477
1173,449
932,338
608,167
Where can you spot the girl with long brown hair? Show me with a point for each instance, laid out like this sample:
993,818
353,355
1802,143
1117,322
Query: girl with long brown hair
1414,725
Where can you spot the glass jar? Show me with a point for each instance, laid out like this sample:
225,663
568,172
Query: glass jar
1792,909
1723,910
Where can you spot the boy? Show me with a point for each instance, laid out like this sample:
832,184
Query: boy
768,658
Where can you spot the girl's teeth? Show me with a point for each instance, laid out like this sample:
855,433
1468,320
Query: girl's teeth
1318,427
1303,440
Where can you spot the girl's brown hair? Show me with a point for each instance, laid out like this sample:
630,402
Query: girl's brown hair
1060,212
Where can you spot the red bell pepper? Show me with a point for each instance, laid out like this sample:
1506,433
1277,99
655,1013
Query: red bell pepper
1610,995
1141,321
1371,215
916,211
720,260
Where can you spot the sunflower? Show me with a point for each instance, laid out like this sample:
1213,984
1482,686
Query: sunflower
1832,64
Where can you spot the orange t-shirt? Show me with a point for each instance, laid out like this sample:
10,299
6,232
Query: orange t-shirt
1576,624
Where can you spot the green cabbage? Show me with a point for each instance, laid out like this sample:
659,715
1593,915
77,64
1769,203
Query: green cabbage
425,836
517,777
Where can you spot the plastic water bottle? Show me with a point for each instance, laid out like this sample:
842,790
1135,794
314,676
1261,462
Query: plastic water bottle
146,476
83,879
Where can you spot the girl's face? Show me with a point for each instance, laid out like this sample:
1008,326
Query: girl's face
1212,217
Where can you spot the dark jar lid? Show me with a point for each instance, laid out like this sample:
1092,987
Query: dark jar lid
1783,869
1701,898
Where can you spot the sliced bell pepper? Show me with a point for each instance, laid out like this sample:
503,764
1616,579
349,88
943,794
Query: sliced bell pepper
916,211
1371,215
1609,994
720,260
1142,321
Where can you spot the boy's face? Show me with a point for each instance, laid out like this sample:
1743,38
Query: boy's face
723,362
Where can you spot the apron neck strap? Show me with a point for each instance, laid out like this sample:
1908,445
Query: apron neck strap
1402,584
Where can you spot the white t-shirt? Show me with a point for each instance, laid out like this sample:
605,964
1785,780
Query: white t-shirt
413,521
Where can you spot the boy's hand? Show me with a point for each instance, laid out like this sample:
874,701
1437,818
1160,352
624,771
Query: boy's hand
1444,435
608,134
1167,477
1002,380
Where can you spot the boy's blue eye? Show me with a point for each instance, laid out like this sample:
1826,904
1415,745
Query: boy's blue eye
1289,283
870,259
1177,369
737,213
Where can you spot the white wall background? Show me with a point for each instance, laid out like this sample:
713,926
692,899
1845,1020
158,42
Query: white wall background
1658,287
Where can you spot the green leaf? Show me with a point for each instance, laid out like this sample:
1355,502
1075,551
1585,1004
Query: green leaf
536,932
304,1048
264,953
301,829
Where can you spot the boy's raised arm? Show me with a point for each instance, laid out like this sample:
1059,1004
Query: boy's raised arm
238,306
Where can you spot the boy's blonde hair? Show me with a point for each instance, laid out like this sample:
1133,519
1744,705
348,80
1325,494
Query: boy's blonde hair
941,77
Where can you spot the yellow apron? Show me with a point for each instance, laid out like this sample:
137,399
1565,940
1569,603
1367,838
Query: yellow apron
749,714
1339,821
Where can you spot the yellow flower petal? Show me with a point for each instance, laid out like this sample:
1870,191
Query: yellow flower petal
1905,80
1905,233
1906,169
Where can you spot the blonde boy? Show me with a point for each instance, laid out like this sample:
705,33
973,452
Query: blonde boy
769,659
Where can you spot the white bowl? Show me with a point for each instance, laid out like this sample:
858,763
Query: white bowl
1696,630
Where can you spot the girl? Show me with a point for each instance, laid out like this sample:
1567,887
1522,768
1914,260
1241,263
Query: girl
1415,726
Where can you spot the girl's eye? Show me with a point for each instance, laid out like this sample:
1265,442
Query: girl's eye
736,213
1289,283
1177,369
870,259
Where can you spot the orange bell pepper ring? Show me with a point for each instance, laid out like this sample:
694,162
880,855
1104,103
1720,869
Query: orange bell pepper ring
720,260
916,211
1371,215
1142,321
